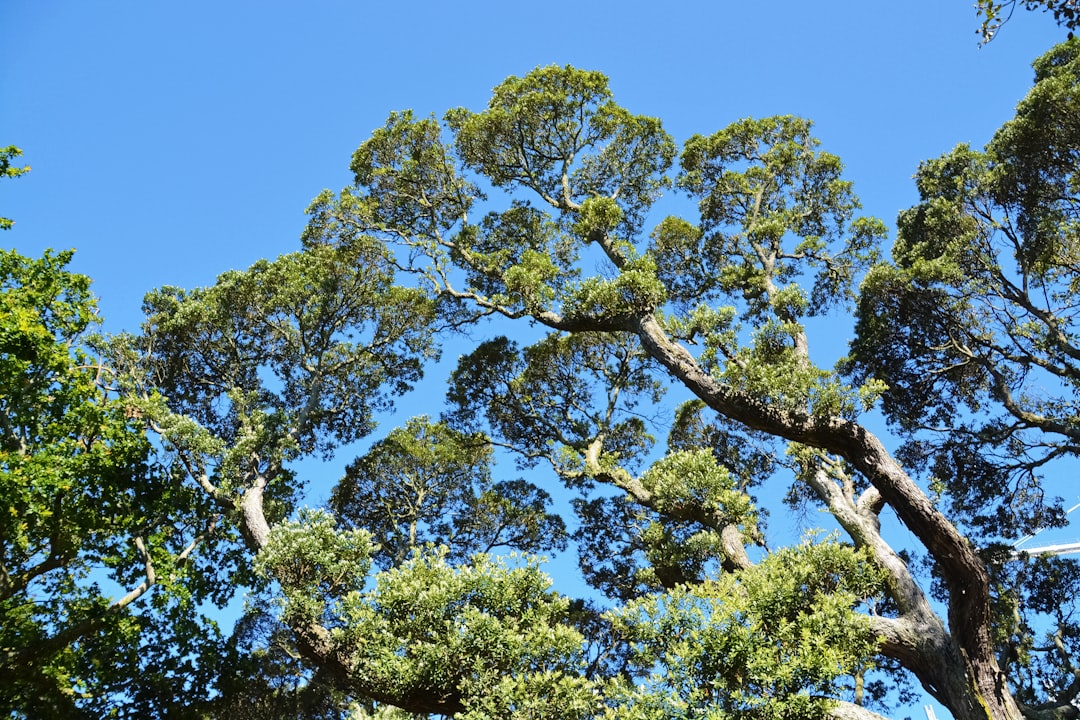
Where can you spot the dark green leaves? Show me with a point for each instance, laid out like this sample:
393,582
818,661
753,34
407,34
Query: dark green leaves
81,505
326,324
426,483
565,399
773,208
978,311
533,129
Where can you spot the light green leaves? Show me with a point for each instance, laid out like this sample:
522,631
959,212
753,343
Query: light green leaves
769,641
315,563
453,637
7,154
693,478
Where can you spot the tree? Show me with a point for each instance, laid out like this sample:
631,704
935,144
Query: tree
427,484
980,309
81,505
708,615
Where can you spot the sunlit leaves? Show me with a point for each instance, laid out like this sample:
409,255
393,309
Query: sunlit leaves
773,208
694,478
766,642
7,154
315,563
298,356
557,132
453,635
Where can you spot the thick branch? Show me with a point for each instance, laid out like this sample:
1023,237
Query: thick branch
732,542
964,571
866,532
841,710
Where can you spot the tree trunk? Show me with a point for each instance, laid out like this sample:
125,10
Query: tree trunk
956,666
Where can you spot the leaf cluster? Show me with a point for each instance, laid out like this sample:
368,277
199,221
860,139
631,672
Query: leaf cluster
771,641
425,483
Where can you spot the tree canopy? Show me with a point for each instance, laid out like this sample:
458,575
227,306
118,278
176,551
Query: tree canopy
535,233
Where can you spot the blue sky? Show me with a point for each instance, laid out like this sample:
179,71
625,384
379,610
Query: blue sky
173,141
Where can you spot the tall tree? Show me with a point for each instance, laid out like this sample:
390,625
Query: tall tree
712,612
719,305
974,328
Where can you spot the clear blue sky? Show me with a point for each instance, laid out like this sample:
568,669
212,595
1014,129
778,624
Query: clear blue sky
172,141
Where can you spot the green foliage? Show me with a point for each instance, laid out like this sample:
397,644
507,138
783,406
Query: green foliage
460,635
540,400
427,483
7,154
1066,14
265,678
80,505
694,476
769,642
294,358
772,206
577,143
555,132
326,324
980,293
414,178
973,329
285,360
315,563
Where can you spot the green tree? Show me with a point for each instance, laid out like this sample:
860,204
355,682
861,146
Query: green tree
284,361
81,505
427,484
977,313
720,306
394,598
